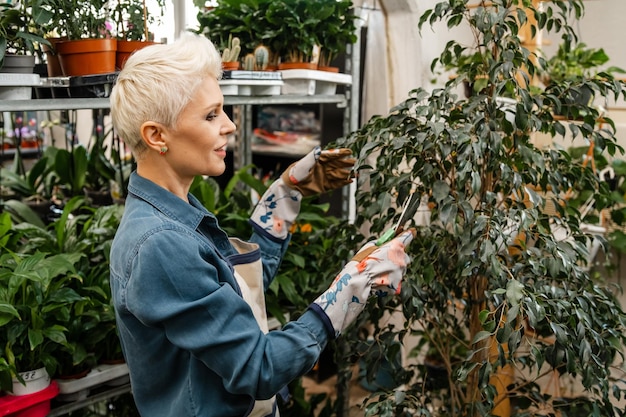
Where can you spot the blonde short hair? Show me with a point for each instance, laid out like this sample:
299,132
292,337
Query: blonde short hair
157,82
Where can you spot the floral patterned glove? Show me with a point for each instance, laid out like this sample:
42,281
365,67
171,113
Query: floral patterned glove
380,271
318,171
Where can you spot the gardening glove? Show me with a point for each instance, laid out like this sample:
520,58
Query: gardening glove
318,171
373,270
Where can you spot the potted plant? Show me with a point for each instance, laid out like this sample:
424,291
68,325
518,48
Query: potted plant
565,73
132,19
100,170
83,234
245,20
21,32
87,47
230,54
487,258
296,35
35,304
337,31
36,187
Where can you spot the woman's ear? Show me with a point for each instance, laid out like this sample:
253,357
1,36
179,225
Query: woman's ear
152,135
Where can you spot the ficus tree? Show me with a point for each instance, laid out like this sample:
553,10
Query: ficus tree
501,288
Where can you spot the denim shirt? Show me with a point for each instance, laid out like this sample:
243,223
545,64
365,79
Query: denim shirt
192,344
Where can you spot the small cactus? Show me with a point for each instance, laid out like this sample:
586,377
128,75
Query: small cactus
248,62
261,58
231,52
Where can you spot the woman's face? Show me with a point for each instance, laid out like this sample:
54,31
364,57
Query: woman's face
197,146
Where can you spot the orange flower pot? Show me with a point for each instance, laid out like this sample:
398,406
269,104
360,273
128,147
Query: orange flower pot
87,56
126,48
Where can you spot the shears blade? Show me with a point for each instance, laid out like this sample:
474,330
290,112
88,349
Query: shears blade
408,211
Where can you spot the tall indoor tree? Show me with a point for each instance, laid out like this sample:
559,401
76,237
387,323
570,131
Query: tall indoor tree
504,254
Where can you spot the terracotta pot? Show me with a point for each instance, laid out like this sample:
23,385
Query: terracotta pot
230,66
52,57
297,65
126,48
87,56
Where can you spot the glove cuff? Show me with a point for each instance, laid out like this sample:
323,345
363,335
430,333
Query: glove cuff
328,325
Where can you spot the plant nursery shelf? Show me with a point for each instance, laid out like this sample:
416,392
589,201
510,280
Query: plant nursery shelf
103,103
66,408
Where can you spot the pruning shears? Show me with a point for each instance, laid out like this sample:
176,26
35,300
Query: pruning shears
408,211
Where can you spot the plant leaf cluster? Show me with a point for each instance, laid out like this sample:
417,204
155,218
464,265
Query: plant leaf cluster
290,29
21,27
54,291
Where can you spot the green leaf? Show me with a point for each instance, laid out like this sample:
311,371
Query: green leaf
514,291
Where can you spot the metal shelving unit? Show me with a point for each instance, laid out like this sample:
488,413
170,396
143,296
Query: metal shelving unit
243,149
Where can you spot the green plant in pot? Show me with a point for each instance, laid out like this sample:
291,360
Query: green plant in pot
100,169
132,19
568,69
21,31
336,31
295,23
36,187
35,304
87,321
87,46
244,19
490,257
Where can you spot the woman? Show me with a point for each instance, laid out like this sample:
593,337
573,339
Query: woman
188,299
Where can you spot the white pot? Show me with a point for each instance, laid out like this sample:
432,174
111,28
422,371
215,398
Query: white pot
35,381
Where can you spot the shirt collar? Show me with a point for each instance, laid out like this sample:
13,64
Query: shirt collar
168,203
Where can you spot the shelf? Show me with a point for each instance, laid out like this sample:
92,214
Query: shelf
63,409
27,153
103,103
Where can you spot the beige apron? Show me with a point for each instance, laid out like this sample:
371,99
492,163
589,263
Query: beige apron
250,279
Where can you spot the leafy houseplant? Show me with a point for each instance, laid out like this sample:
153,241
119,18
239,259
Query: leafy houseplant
132,19
36,186
571,65
337,31
21,28
296,25
83,235
87,46
489,260
244,19
573,62
35,303
78,19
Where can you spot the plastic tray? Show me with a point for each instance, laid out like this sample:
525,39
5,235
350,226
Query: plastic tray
31,405
312,82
